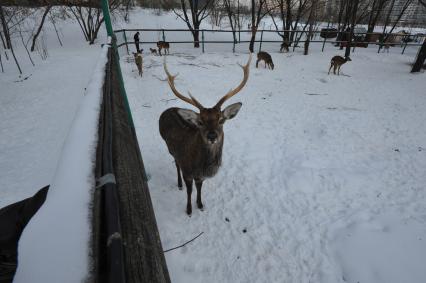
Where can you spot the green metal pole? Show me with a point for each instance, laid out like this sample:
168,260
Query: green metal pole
261,39
107,17
110,32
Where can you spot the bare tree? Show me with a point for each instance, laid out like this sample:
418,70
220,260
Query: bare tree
40,26
6,32
311,21
43,3
216,12
352,8
401,13
259,9
199,12
377,8
232,17
421,55
91,19
285,8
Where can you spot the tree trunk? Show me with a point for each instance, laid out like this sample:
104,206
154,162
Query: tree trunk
5,29
196,35
421,56
252,39
40,27
231,15
288,21
353,10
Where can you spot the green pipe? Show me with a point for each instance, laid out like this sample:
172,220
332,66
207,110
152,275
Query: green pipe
110,32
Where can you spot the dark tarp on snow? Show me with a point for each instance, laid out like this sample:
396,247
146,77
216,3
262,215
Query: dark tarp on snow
13,219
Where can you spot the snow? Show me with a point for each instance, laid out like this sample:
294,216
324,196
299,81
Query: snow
36,113
307,151
322,177
65,213
385,248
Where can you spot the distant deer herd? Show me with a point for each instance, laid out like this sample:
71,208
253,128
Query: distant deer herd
195,140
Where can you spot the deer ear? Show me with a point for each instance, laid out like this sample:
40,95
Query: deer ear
232,110
190,116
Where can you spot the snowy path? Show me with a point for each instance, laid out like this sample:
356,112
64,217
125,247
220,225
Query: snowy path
297,168
36,115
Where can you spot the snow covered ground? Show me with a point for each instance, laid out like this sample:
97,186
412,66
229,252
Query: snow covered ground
36,113
323,176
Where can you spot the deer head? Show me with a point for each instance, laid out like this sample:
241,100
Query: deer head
209,121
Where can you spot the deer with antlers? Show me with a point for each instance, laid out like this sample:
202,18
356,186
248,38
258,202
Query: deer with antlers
195,140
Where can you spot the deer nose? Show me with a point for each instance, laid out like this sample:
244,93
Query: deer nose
212,136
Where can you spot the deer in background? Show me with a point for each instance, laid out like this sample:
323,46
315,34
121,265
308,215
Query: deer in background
153,51
163,45
285,46
262,55
138,61
337,62
195,140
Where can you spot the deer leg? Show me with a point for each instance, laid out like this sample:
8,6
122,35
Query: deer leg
188,183
257,62
334,69
338,71
198,184
159,50
179,176
331,66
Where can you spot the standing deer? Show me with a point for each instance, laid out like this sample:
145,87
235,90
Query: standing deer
284,46
153,51
195,140
138,61
163,45
336,62
262,55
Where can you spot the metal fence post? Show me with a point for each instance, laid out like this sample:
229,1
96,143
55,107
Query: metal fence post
125,41
261,38
164,36
202,39
381,41
323,43
405,46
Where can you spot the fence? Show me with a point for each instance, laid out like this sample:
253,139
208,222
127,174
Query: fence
184,36
126,241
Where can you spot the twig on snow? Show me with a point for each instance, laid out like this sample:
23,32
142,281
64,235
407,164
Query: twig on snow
20,81
184,243
316,93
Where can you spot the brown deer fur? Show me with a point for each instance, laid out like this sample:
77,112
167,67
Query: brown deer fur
262,55
163,45
139,62
153,51
284,46
195,140
337,62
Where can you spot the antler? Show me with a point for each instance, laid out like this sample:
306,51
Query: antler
171,81
233,92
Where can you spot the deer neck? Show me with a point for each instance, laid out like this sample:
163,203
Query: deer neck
210,158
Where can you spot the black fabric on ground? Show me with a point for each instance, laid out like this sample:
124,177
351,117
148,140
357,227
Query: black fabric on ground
13,219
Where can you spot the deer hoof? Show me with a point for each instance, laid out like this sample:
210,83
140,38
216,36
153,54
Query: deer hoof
200,206
189,210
